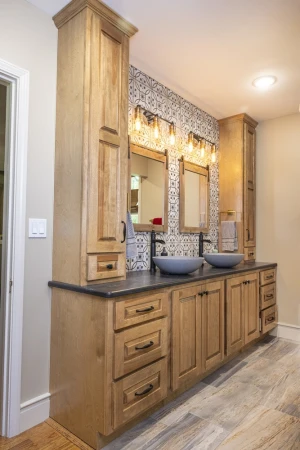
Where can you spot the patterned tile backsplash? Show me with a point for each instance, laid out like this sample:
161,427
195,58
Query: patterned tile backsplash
145,91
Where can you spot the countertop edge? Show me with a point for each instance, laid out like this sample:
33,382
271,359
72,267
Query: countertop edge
95,289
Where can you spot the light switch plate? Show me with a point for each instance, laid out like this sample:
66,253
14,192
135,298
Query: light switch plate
37,228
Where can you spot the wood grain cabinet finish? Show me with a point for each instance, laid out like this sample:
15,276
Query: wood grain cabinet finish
237,168
242,311
138,346
186,335
267,295
269,319
267,276
213,323
138,392
91,144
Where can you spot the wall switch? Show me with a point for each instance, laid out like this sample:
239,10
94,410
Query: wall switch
37,228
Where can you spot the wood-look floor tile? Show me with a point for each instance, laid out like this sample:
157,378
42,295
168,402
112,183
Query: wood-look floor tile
178,408
138,436
280,349
229,405
254,351
265,429
285,394
189,433
225,372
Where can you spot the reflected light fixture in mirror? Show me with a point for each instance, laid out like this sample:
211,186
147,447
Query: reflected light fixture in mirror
213,153
138,118
172,133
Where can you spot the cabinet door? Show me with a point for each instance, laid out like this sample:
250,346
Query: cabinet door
108,139
251,298
186,335
213,324
249,186
235,314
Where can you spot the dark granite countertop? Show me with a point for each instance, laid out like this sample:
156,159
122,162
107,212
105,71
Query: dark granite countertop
146,281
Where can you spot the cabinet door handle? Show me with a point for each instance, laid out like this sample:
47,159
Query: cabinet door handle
109,266
150,308
248,234
251,254
269,277
201,293
124,232
269,296
148,389
144,346
270,319
206,292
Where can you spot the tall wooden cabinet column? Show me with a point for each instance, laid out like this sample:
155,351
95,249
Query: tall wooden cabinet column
91,144
237,178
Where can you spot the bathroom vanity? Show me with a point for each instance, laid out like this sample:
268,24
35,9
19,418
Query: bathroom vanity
121,350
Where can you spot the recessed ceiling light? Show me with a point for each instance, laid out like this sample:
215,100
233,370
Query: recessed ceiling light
264,82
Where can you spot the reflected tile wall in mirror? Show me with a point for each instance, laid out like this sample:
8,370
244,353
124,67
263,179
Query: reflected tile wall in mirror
145,91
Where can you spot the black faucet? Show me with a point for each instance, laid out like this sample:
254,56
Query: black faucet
154,241
201,240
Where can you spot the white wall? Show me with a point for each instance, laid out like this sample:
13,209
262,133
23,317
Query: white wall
28,39
278,208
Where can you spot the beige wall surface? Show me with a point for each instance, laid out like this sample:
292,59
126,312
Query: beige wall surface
278,208
28,39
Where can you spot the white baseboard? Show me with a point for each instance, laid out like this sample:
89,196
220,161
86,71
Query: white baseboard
34,411
286,331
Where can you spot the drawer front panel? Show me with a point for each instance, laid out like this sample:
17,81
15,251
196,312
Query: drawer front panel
269,319
138,392
105,266
141,309
267,295
267,276
139,346
250,254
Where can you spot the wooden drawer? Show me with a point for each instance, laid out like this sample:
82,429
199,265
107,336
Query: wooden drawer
269,319
138,392
267,276
250,254
267,295
105,266
141,309
138,346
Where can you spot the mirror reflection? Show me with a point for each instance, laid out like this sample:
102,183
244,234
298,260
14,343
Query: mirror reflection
148,189
194,198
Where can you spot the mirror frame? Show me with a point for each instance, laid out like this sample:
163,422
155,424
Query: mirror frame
147,152
183,166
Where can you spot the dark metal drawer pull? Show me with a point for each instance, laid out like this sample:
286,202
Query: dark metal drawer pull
144,346
251,254
269,295
270,319
124,232
151,308
109,266
148,389
269,277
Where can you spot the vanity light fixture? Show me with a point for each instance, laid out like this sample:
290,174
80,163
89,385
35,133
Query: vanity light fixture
191,141
264,82
213,153
155,126
138,118
202,148
172,133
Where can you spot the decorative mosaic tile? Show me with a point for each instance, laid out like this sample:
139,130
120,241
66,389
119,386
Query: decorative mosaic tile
152,95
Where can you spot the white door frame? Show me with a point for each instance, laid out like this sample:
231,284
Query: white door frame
17,80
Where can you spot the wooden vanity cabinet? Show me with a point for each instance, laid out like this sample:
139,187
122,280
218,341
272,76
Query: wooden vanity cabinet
91,154
242,311
197,331
237,168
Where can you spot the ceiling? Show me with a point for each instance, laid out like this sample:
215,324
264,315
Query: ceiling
210,51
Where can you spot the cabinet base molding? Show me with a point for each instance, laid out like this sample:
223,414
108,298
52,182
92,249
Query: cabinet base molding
71,437
286,331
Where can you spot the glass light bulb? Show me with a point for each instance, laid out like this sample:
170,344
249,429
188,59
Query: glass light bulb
202,148
191,141
138,124
191,146
172,139
172,133
156,132
213,153
155,127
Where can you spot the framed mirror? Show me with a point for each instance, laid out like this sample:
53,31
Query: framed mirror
149,185
194,198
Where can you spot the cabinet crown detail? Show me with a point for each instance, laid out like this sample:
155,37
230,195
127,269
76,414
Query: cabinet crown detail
98,7
239,117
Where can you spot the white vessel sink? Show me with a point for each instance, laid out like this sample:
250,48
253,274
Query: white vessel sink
223,259
178,265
